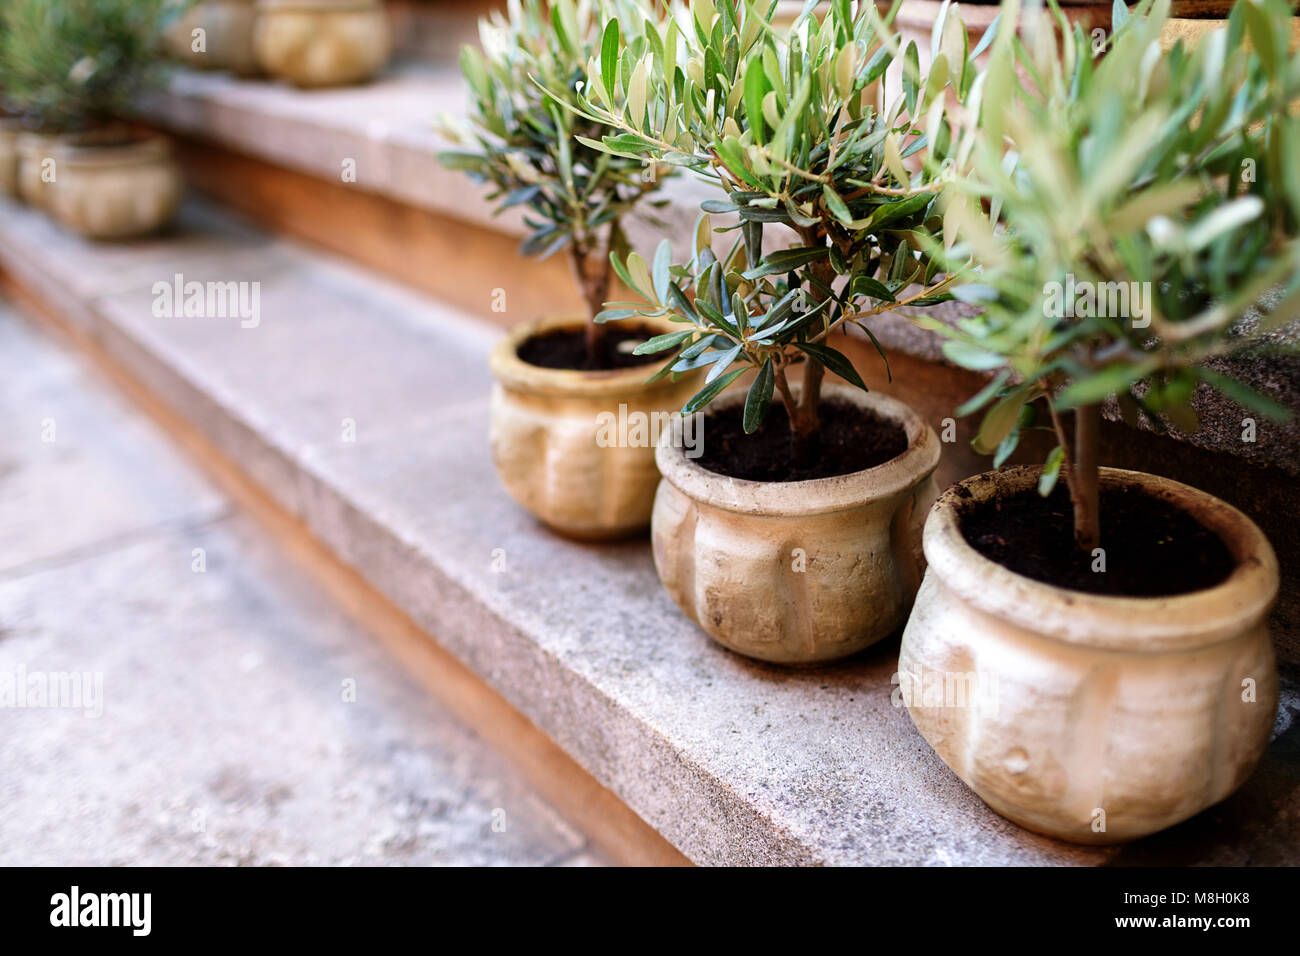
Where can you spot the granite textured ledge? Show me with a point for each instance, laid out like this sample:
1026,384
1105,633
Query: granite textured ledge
381,134
362,409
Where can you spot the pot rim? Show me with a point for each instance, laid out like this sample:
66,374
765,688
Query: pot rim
516,375
147,148
813,496
1177,622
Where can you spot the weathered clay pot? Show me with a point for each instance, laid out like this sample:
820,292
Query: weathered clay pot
228,36
116,191
10,130
797,572
1066,711
38,170
551,442
322,42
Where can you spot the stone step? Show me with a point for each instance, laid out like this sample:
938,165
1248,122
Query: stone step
732,761
187,635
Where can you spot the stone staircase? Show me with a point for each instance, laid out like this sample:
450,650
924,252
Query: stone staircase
357,404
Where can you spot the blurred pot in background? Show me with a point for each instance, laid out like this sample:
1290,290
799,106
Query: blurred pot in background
314,43
226,38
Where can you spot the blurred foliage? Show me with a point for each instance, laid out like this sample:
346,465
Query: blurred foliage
525,142
73,64
1176,171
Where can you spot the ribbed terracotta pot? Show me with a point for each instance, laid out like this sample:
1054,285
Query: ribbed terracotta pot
10,130
555,451
38,170
116,191
1090,718
314,43
227,26
796,572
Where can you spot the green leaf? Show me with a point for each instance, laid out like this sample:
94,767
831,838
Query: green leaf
711,391
983,396
759,397
999,420
972,357
723,361
733,154
837,206
837,362
786,260
662,264
911,76
663,342
1105,383
609,56
865,285
1118,15
1052,467
756,87
894,160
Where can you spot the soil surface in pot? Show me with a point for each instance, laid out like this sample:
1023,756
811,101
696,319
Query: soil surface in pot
852,439
567,349
1152,548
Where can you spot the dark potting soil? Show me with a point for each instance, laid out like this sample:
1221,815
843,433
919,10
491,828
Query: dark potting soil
851,439
567,349
1152,548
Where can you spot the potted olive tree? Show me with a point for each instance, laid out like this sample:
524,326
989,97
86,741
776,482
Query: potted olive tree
71,70
794,535
1148,208
559,379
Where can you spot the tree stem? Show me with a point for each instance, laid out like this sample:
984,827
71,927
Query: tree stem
805,422
1086,492
594,287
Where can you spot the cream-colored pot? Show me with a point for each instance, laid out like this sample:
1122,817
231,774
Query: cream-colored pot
227,38
116,191
1090,718
322,42
569,445
803,571
37,167
10,130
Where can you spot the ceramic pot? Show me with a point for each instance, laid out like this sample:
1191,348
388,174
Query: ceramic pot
315,43
228,36
796,572
559,447
10,130
1091,718
38,169
116,191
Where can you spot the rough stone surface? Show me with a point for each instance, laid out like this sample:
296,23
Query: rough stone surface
735,762
222,736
